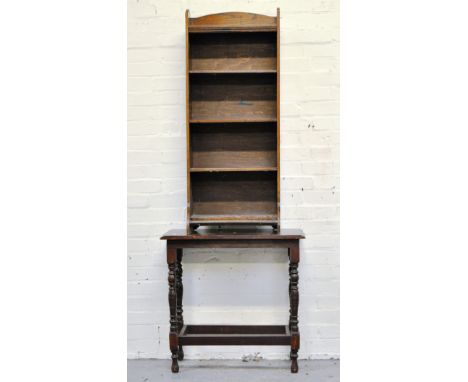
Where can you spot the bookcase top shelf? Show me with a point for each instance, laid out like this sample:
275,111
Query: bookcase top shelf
232,22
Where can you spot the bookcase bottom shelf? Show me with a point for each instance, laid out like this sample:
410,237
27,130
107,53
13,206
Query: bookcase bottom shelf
203,219
235,335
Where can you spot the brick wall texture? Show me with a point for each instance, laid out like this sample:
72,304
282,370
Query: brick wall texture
232,286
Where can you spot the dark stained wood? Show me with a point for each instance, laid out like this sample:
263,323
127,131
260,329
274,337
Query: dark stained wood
204,335
294,304
294,254
174,321
235,329
183,335
180,293
233,243
218,220
232,21
241,233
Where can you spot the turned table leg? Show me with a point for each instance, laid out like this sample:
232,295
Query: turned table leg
180,293
294,304
174,324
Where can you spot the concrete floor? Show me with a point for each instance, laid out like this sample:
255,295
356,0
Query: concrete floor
156,370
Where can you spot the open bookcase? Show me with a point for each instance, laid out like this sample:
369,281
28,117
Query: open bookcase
233,119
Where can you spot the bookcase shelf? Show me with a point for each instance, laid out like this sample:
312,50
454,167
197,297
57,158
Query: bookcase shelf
229,219
232,71
232,120
233,65
232,83
231,169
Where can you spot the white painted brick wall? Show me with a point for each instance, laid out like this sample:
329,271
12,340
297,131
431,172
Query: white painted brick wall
254,284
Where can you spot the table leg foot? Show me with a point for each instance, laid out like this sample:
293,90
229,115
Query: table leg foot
175,364
294,365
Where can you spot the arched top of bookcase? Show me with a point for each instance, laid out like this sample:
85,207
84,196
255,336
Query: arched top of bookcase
233,21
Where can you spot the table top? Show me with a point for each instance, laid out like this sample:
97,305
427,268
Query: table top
234,234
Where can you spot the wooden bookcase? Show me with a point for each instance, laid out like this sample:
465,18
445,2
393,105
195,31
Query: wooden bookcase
233,119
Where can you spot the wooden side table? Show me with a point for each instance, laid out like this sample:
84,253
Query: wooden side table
182,334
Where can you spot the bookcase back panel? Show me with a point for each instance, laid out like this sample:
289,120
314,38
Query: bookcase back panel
233,52
233,145
233,87
234,97
231,194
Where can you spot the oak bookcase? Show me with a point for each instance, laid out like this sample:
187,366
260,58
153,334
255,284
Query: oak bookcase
233,119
